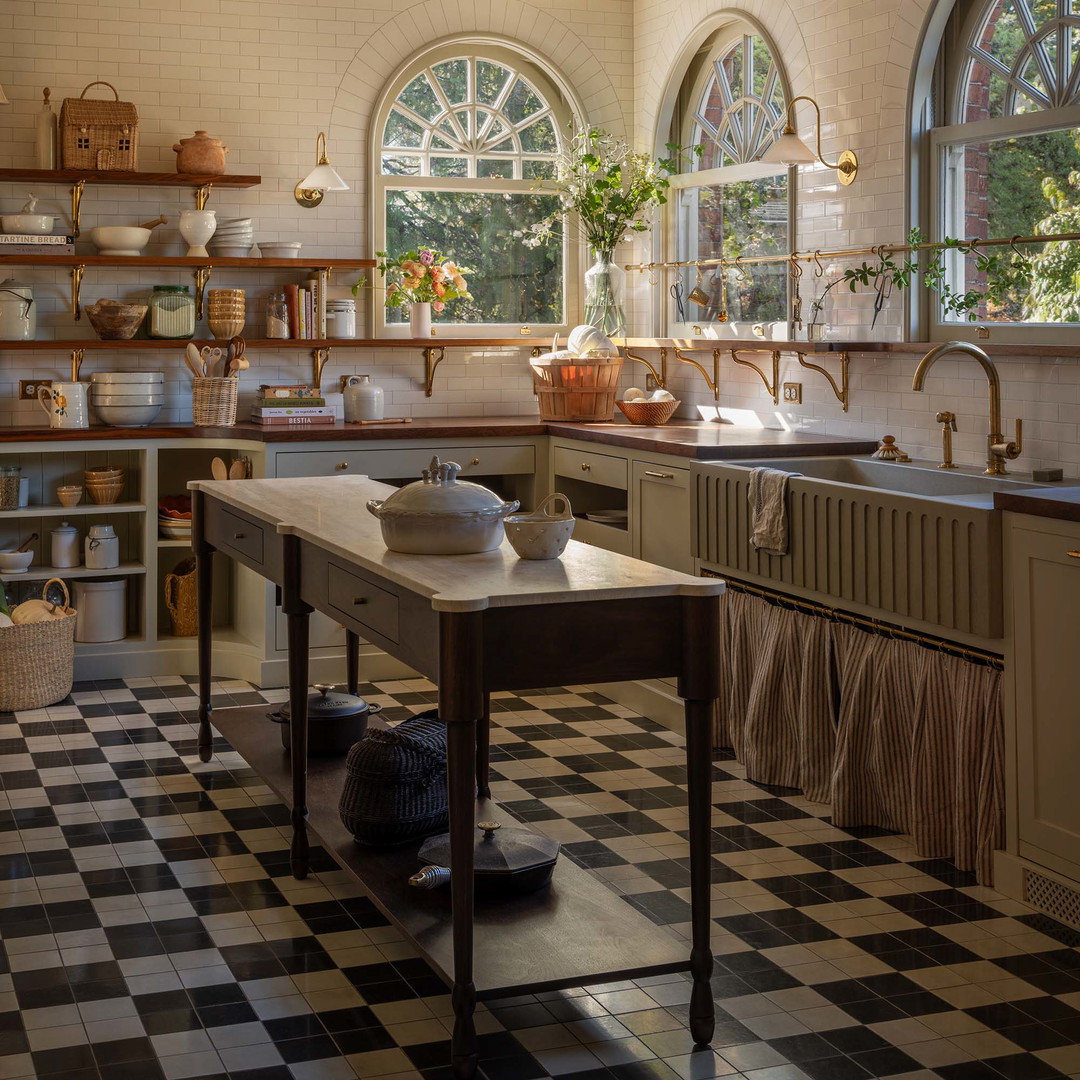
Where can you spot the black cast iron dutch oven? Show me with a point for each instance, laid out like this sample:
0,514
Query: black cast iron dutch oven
336,720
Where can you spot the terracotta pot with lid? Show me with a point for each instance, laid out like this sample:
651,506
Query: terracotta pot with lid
200,154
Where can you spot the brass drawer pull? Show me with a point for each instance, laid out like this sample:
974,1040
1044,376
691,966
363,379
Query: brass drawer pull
660,475
359,600
239,536
341,466
1073,554
475,461
585,466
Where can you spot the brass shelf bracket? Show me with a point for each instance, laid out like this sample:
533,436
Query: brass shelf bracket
661,376
76,363
536,351
431,362
202,277
76,290
319,358
77,190
773,389
712,380
202,195
840,391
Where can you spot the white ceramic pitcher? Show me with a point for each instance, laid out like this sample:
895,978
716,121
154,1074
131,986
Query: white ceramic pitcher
65,402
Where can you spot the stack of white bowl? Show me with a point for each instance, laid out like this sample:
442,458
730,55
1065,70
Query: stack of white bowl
127,398
233,238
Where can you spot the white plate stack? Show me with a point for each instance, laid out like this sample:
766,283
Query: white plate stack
127,398
233,238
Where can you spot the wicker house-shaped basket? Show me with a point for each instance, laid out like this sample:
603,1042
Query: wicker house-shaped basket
101,136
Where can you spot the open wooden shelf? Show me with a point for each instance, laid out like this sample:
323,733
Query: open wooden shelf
128,179
93,344
573,933
183,262
43,573
84,509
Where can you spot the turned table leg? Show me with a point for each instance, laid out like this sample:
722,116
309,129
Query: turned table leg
698,686
298,614
460,705
352,662
483,751
204,598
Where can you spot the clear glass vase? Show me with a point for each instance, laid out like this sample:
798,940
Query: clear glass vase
605,289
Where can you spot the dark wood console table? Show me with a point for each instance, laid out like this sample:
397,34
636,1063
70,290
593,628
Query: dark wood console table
473,624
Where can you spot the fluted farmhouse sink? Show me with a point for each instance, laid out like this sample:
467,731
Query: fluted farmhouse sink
908,543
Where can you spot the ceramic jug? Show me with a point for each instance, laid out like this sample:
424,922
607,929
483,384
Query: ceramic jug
65,402
102,548
362,398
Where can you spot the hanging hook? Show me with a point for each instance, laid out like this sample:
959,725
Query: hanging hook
740,273
653,279
796,270
820,272
1016,251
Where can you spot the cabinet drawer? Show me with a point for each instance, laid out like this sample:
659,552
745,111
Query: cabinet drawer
239,536
407,462
591,468
362,601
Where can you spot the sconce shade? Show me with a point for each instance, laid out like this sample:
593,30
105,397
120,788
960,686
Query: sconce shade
325,178
789,149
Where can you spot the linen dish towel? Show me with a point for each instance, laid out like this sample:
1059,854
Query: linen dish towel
768,510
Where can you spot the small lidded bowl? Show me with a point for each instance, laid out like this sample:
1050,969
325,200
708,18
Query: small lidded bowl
441,515
545,532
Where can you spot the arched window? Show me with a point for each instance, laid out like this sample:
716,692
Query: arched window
1006,157
464,138
729,203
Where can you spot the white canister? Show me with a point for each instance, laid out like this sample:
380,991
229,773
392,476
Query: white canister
24,491
100,608
363,399
65,403
341,318
18,312
102,547
65,545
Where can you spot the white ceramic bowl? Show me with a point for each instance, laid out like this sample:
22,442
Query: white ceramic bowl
127,399
281,250
236,222
126,415
138,378
231,251
27,223
119,239
15,562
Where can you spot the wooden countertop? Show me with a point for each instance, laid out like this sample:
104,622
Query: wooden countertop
698,440
1063,504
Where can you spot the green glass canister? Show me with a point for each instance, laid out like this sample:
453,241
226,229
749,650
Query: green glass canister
172,312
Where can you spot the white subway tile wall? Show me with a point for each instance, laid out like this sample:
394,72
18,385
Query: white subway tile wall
266,78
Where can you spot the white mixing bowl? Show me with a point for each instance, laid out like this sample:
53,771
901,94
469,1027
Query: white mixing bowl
120,239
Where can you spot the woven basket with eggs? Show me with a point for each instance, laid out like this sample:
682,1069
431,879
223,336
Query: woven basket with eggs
648,412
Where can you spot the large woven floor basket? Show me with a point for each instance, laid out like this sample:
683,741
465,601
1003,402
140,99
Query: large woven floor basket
213,402
581,390
37,660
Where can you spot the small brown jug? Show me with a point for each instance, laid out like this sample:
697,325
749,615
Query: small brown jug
201,155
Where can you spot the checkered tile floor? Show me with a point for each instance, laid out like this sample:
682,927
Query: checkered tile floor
150,927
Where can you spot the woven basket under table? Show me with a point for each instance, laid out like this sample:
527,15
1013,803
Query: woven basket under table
37,660
213,401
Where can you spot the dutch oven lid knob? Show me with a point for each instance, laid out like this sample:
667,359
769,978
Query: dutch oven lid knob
488,828
323,688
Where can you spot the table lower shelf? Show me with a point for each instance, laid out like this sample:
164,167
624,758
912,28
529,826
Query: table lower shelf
574,933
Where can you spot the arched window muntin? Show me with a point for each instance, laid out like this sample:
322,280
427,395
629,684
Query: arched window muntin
732,102
447,126
1010,75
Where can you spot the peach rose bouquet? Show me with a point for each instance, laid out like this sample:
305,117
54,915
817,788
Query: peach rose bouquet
422,276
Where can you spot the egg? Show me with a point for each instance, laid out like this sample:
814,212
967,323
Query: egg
662,395
635,393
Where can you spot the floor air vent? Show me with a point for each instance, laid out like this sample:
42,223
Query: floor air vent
1051,897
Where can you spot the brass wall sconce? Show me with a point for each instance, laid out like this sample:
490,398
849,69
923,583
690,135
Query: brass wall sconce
789,149
323,178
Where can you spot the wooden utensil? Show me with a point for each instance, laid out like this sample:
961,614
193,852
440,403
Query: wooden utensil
218,469
210,357
194,361
387,420
27,542
236,361
161,220
237,470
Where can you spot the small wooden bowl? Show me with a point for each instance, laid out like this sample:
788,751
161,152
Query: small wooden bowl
113,320
104,494
69,494
648,413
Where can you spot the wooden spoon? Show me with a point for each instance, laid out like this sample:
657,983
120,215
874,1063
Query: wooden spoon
218,469
237,470
194,360
27,542
161,220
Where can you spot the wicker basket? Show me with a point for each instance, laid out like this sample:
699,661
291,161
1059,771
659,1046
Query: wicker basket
181,599
37,660
213,402
581,390
395,783
648,413
102,136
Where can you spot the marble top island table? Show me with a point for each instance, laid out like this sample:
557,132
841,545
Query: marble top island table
473,624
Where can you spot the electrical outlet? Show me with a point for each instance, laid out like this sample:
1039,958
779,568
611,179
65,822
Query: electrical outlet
650,383
793,393
28,388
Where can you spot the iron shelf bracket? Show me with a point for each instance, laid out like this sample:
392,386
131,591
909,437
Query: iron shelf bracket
840,391
659,377
76,291
76,363
712,380
319,358
431,362
202,277
773,389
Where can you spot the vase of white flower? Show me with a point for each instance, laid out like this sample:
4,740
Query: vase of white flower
605,290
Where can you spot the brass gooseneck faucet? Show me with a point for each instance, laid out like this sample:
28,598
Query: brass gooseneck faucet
998,451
